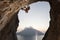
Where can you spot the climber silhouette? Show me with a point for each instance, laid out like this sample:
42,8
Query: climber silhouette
26,8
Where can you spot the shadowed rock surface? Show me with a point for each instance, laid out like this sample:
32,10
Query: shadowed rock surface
9,31
9,19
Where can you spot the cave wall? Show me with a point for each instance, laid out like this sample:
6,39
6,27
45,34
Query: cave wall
9,31
53,33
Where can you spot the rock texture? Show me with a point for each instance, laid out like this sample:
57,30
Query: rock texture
53,32
9,31
9,19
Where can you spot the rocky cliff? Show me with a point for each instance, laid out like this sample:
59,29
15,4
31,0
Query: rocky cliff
9,19
9,31
53,32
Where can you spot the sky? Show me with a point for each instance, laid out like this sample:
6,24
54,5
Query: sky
38,17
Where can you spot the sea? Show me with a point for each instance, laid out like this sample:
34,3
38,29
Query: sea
38,37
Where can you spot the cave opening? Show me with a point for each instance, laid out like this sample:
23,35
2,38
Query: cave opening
38,17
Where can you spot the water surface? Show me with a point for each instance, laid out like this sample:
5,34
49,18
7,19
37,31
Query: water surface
39,37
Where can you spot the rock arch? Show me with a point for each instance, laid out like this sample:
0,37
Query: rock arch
8,17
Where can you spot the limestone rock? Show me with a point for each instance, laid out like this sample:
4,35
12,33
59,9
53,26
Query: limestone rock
9,31
9,19
53,32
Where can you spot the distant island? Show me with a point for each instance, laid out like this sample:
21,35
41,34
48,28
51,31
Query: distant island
29,32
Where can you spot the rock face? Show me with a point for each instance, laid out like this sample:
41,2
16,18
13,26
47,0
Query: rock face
53,32
8,32
9,18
